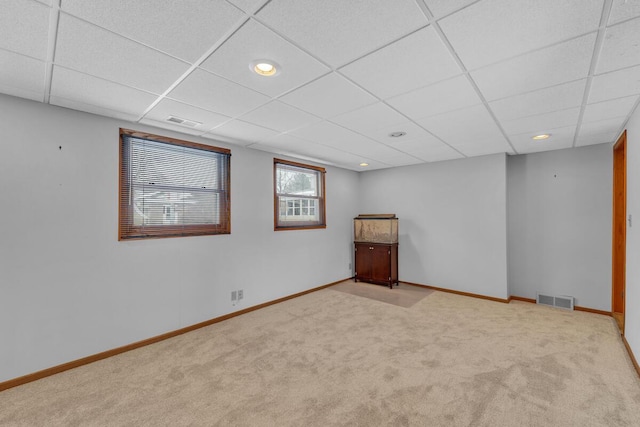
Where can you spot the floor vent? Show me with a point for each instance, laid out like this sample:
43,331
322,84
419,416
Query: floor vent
555,301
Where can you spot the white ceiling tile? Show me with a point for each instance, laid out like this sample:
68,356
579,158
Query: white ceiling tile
542,123
412,132
593,139
541,101
372,116
93,109
269,149
22,73
437,154
285,141
484,147
284,152
243,132
329,96
339,31
24,27
560,138
554,65
89,49
443,7
253,42
377,121
291,145
620,107
465,125
114,60
608,127
417,145
168,107
249,6
374,150
100,93
405,160
493,30
621,48
326,132
623,9
21,93
279,116
331,135
617,84
426,149
213,93
337,157
439,98
298,148
161,23
224,139
171,126
414,61
402,159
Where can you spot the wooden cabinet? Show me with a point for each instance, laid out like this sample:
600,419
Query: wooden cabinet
377,263
375,238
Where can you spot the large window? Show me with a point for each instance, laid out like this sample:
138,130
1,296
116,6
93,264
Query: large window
171,188
298,195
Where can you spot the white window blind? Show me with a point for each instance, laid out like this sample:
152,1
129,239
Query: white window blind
172,188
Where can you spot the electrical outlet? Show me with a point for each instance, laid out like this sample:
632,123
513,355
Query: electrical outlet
240,294
234,296
349,266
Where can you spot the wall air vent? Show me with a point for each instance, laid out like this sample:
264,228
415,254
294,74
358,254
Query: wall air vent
183,122
559,301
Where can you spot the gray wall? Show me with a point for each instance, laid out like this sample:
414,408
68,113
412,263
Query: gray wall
452,221
632,308
559,224
69,289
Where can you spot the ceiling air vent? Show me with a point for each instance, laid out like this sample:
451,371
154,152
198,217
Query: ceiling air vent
183,122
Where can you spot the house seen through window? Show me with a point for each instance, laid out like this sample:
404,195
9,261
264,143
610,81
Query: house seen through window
298,195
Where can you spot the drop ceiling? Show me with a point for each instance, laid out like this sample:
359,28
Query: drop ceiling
461,78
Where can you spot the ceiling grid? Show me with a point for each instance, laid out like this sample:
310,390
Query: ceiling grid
54,17
606,11
460,78
444,39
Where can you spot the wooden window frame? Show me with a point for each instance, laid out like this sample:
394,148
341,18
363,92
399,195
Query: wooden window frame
128,231
322,198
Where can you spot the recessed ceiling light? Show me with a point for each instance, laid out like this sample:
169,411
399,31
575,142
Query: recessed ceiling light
541,136
397,134
363,164
265,67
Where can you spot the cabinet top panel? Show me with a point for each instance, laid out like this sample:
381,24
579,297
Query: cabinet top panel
375,216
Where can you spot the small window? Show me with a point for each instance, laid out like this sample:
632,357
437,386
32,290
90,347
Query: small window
298,195
171,188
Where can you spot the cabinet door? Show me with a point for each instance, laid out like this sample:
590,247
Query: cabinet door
363,263
380,265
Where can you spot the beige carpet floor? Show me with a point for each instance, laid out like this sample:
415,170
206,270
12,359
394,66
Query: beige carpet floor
402,294
331,358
